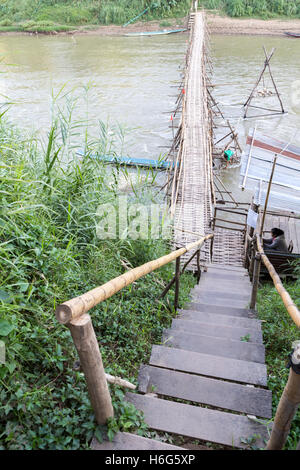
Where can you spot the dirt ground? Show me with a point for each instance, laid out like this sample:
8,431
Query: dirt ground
253,27
217,25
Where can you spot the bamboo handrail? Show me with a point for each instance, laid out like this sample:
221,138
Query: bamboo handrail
288,302
78,306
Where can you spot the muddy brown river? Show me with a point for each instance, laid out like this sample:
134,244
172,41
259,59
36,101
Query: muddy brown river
132,81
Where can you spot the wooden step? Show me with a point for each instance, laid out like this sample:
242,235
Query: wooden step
229,276
216,346
209,365
233,284
215,319
226,294
127,441
215,299
226,268
220,331
220,309
207,391
198,423
227,284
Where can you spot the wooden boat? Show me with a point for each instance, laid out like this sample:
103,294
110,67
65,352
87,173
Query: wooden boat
141,162
156,33
292,35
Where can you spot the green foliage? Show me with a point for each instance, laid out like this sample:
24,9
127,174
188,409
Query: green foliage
261,8
279,332
50,252
82,12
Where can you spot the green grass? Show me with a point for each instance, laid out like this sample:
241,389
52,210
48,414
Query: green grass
265,9
49,253
85,12
279,332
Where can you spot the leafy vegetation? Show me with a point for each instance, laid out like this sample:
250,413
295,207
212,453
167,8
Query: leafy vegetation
279,333
261,8
49,253
68,13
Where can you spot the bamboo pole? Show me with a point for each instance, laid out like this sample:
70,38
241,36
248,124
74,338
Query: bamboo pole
255,281
268,195
111,379
86,343
288,405
177,281
288,302
76,307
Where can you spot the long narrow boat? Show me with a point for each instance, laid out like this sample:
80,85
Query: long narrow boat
156,33
142,162
293,35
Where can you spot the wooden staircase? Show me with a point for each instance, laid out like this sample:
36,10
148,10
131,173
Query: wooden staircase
207,380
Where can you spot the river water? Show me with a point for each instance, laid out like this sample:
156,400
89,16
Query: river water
134,83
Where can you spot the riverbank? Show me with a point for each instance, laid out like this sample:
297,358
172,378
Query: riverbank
251,26
223,25
103,30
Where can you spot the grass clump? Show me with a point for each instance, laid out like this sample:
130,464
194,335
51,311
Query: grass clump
257,8
87,12
279,332
49,253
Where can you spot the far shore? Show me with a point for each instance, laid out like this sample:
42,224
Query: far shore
217,25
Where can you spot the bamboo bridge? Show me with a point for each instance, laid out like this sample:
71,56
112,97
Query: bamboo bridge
207,380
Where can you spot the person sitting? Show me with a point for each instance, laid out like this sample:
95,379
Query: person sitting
277,242
228,155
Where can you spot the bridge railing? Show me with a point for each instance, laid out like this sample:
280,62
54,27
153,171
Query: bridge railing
290,399
74,314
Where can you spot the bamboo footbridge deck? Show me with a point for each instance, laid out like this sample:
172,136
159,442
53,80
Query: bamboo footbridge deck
191,186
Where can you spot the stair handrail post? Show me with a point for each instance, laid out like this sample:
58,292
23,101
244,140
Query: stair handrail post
255,280
198,266
288,404
86,343
177,283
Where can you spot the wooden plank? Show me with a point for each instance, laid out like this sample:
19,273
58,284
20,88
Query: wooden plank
213,298
199,423
220,331
219,309
207,391
226,320
216,346
226,290
209,365
126,441
220,275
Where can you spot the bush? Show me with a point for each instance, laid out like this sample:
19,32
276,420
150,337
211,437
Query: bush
50,252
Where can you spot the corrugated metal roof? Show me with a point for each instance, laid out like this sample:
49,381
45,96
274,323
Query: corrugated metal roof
256,167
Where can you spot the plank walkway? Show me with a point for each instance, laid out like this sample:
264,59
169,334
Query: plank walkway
207,381
191,201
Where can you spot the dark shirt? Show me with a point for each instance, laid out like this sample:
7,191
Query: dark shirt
276,244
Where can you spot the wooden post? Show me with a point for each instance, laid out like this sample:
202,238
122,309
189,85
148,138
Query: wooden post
255,208
86,343
198,267
255,280
177,280
267,197
288,405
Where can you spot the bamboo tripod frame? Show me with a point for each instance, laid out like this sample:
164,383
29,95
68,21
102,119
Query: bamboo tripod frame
266,66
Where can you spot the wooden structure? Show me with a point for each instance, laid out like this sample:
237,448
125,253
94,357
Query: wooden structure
265,92
190,185
290,399
207,380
